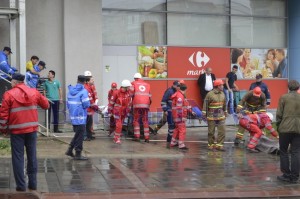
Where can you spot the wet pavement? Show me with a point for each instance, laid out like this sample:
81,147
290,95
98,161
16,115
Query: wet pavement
150,170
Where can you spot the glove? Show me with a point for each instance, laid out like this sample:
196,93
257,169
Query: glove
95,107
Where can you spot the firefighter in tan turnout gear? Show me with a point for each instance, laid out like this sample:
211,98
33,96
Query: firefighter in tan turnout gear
215,111
253,102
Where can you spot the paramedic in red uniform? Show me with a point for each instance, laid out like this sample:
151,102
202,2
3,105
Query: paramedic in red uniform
119,107
254,123
141,101
179,112
112,92
19,116
92,93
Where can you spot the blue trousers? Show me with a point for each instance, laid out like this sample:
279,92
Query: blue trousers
18,141
77,140
229,98
171,126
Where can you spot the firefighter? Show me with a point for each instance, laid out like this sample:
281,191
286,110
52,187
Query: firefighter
119,107
215,112
264,88
90,87
179,112
254,123
141,101
253,102
112,92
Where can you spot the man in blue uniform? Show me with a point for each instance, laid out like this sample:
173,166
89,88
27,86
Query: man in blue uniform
264,88
78,102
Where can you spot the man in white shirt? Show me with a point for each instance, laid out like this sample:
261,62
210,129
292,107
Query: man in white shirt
205,82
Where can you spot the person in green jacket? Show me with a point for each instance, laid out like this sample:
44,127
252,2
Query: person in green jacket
288,126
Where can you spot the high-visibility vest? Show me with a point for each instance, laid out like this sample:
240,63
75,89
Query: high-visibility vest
142,96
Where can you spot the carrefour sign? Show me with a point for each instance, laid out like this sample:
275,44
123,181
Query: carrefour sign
185,62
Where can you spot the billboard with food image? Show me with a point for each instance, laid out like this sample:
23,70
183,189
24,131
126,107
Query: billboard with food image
152,61
270,63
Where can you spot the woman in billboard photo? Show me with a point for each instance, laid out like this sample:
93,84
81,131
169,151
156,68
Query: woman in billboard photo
271,62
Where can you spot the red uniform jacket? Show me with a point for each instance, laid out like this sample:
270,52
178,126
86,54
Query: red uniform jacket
141,95
180,107
92,93
19,109
111,92
119,103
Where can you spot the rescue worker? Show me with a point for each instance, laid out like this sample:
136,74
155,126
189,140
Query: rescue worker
92,93
112,92
19,116
32,80
77,103
253,102
264,88
166,104
163,120
119,107
141,101
180,109
254,123
215,112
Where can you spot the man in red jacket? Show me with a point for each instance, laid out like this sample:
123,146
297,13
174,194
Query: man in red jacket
19,117
90,87
141,101
113,91
254,123
119,107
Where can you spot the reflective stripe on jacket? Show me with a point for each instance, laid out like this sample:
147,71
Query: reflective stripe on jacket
19,112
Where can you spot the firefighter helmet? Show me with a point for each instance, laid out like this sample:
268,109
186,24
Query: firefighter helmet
257,91
270,115
218,82
114,85
126,83
181,81
87,73
137,76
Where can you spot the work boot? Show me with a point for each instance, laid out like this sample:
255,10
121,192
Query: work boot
237,141
184,148
78,156
147,140
284,178
69,152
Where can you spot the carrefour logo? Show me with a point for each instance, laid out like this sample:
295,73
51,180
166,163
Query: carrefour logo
199,59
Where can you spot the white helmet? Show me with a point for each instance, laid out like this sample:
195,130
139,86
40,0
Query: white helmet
137,76
87,73
270,115
125,83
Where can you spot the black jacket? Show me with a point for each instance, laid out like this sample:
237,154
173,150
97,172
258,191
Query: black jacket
202,81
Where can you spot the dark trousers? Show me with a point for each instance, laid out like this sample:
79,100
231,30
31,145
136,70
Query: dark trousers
287,167
55,108
161,122
89,126
171,126
203,94
18,141
77,140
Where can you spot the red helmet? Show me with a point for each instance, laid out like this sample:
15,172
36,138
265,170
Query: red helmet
114,85
218,82
257,91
